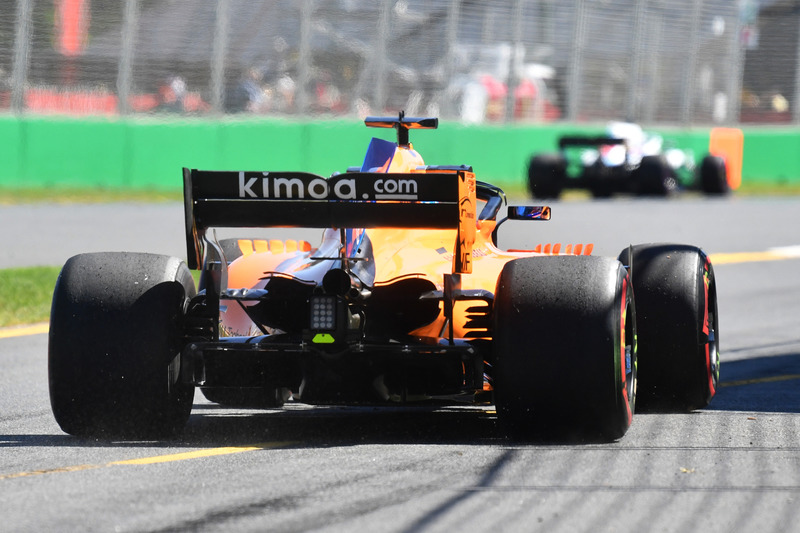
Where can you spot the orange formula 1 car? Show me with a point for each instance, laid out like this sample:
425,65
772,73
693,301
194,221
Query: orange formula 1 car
407,298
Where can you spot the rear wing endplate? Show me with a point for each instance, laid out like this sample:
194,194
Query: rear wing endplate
436,200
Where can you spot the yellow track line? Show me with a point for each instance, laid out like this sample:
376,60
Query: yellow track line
49,471
771,379
36,329
183,456
210,452
747,257
773,254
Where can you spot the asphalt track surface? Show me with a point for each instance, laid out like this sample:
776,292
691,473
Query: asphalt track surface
734,466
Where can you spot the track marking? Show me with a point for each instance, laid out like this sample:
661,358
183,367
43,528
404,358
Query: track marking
210,452
772,254
174,457
49,471
35,329
754,381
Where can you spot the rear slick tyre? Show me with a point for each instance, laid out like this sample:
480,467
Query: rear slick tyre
654,177
547,175
116,332
678,324
565,348
713,176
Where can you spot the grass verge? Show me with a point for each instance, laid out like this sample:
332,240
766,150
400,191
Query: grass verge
769,189
26,294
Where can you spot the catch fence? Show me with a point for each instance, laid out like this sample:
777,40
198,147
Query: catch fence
683,62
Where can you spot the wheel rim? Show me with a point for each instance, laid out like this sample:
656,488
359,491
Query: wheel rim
631,361
710,329
628,355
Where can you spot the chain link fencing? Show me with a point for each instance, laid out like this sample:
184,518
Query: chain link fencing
683,62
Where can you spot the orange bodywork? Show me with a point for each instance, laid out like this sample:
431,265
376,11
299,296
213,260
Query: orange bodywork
422,253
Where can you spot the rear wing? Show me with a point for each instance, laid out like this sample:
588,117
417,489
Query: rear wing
402,124
589,141
437,199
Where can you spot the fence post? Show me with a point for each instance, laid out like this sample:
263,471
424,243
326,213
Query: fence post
576,62
304,56
515,59
379,96
22,45
126,51
737,74
650,95
690,67
632,110
219,49
444,101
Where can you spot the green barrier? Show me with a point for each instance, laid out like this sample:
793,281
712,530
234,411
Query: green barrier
149,152
771,155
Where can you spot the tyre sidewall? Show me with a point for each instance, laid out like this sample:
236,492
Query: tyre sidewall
654,177
674,288
557,344
115,338
713,176
547,175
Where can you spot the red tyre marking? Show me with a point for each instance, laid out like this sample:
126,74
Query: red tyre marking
623,365
706,283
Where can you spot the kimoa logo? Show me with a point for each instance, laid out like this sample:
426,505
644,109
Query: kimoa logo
278,187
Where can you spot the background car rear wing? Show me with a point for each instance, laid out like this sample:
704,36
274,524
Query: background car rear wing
438,200
564,142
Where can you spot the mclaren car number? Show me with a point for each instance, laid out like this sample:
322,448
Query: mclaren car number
304,187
